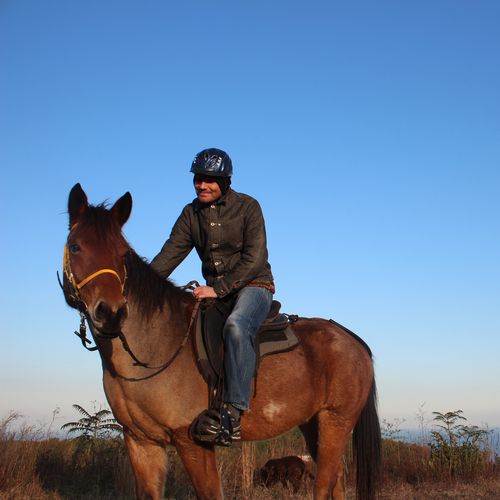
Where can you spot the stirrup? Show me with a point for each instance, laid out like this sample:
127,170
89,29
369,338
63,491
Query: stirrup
213,427
230,430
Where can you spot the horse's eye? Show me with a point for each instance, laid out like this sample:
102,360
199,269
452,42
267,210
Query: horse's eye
74,248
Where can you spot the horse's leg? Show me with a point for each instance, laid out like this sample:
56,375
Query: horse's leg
200,464
333,435
339,488
310,432
149,463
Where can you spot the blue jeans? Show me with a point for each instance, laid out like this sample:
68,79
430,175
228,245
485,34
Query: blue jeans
251,308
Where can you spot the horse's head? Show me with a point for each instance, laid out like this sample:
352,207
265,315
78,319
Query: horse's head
94,259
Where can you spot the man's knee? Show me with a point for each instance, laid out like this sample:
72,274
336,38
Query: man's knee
234,329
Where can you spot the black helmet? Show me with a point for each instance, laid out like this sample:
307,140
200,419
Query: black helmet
212,162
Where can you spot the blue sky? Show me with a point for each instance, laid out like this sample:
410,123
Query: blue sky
368,131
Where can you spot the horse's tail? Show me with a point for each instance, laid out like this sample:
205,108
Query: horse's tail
367,448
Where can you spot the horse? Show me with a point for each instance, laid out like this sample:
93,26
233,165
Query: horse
140,324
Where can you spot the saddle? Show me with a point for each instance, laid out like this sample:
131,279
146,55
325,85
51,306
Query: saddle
275,335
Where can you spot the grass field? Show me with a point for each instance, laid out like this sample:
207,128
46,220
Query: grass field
35,465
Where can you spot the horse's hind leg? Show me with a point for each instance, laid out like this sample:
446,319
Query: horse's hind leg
149,463
332,439
310,433
200,464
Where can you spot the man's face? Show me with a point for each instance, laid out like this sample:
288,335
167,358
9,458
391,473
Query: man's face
206,188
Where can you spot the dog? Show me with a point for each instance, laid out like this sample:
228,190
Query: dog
291,470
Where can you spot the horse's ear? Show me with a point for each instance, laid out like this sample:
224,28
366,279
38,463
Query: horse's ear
77,204
122,208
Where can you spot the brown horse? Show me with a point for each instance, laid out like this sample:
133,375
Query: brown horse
325,386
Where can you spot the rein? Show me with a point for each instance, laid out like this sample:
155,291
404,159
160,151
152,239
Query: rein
191,286
165,365
74,294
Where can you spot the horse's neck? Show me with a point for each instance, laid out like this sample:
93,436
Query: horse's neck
153,340
164,327
141,396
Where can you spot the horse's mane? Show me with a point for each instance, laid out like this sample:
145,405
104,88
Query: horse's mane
144,285
148,289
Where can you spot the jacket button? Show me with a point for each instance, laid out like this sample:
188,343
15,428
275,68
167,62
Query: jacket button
212,206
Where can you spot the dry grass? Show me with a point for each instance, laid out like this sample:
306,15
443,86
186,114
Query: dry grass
481,489
33,465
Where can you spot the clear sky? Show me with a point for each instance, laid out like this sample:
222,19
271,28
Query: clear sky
369,132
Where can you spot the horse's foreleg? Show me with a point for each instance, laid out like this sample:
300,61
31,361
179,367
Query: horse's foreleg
200,464
332,440
149,463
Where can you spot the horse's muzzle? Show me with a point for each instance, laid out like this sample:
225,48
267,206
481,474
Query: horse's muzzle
109,318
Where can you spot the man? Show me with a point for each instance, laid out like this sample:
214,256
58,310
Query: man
228,231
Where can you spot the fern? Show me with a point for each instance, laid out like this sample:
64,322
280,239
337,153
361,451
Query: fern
97,425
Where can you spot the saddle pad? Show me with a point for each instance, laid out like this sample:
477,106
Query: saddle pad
271,342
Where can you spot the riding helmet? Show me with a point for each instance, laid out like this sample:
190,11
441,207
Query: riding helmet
212,162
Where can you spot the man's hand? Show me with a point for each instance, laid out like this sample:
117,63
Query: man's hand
204,292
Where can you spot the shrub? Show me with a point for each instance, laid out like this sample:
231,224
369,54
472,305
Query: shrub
458,450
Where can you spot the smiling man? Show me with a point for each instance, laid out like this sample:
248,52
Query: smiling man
228,231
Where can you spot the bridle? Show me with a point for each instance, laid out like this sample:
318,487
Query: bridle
73,293
77,286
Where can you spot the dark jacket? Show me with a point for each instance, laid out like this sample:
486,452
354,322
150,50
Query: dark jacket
230,238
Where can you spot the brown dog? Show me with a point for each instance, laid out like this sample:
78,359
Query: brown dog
285,470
